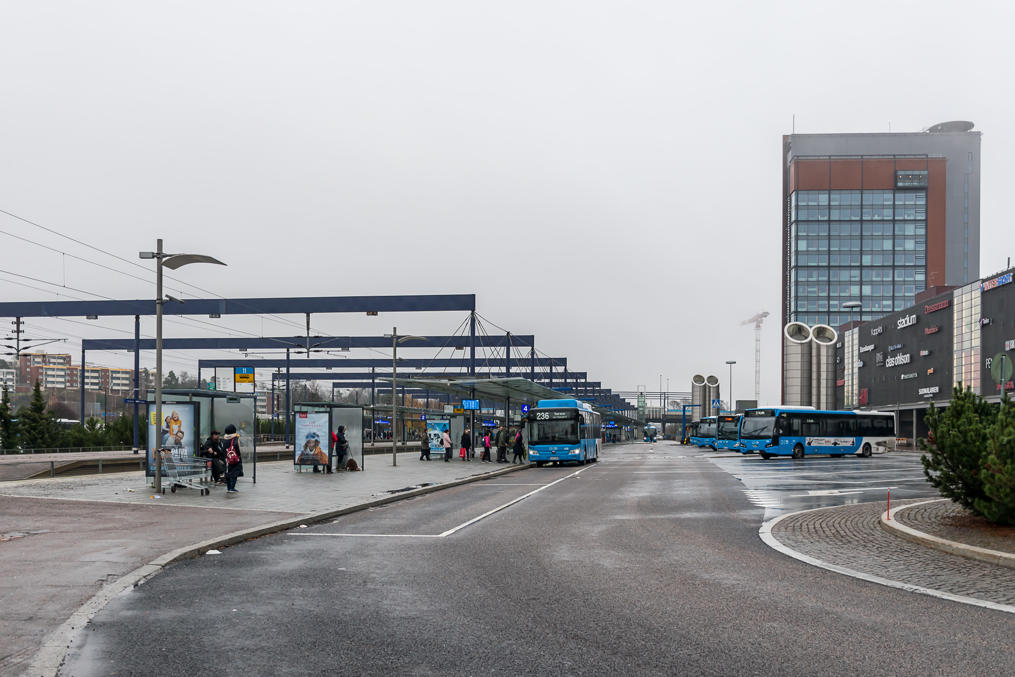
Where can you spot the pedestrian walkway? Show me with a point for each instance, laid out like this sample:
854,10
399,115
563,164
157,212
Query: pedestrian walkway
850,537
23,466
62,539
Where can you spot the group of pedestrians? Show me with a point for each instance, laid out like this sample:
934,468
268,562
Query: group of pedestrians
501,437
225,458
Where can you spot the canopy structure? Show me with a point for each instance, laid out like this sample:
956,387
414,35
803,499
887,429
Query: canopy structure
516,389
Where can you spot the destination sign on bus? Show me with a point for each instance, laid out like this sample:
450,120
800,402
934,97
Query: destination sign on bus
760,412
552,414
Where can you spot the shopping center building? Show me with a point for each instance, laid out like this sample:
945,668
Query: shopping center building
910,358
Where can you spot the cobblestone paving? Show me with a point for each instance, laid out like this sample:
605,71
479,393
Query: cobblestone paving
951,521
850,537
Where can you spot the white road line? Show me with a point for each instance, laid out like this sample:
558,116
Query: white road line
511,503
765,532
505,484
300,533
453,530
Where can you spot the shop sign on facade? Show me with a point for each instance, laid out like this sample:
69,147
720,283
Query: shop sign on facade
927,392
878,330
867,348
932,330
898,360
996,282
906,321
1009,344
906,377
924,353
934,307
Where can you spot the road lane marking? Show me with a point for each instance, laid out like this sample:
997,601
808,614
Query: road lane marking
302,533
511,503
458,528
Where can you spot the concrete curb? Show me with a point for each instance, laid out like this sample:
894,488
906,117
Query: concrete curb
768,537
47,661
890,524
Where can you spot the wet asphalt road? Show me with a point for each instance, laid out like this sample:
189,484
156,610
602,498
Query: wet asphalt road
646,563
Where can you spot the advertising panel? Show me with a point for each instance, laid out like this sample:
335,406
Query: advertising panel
312,439
435,427
176,432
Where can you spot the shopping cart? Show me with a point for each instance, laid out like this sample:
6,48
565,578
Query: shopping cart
183,471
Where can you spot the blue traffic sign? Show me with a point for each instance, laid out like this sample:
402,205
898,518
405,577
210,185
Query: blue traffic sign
422,417
525,408
717,403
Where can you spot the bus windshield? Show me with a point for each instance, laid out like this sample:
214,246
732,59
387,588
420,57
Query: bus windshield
706,429
553,432
757,427
728,428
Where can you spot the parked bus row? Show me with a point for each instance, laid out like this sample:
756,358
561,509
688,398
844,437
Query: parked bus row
796,432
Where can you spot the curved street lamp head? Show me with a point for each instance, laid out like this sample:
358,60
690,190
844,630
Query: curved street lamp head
175,261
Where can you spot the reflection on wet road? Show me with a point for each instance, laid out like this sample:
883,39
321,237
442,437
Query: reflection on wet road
787,485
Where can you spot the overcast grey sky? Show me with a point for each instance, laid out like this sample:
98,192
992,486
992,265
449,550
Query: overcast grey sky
604,175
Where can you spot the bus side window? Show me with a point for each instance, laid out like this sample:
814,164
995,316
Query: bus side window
811,426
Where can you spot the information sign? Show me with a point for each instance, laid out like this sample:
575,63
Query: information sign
243,374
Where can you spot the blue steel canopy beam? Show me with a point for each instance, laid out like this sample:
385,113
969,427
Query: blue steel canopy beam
248,306
409,363
299,342
357,375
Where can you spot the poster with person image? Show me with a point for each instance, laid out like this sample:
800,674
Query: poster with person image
312,439
174,435
435,427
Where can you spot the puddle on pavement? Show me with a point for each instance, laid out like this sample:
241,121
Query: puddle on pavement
14,535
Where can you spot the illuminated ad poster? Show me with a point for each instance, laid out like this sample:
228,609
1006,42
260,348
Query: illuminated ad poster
176,434
435,427
312,445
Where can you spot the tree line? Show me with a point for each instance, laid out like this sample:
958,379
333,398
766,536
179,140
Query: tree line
34,426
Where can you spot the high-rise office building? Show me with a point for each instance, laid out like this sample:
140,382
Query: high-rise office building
876,219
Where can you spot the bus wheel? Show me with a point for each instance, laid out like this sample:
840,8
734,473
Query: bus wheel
798,451
866,451
765,455
539,464
838,455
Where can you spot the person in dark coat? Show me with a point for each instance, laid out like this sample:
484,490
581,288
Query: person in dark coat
234,469
424,448
519,449
467,444
213,451
341,448
502,444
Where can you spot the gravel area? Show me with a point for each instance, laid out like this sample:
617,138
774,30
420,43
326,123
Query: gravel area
952,522
850,536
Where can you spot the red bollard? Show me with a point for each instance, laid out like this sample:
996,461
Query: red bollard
888,513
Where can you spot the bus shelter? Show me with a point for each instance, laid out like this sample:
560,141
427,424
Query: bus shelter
189,416
314,424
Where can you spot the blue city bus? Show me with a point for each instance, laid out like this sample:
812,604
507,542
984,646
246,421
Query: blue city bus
650,433
799,432
727,431
704,434
562,431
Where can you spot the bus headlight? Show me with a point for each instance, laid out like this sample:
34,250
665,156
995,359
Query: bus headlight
576,451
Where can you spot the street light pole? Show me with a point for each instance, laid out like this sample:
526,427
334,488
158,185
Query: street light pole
394,394
171,261
732,407
157,448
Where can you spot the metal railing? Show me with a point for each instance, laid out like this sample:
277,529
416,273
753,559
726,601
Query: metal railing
63,450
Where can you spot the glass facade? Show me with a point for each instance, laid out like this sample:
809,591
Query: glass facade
857,245
966,317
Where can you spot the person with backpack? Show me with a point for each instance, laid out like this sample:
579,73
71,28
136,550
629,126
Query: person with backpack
519,448
234,462
486,447
446,441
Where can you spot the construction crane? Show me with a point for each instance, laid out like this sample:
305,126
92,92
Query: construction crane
756,321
